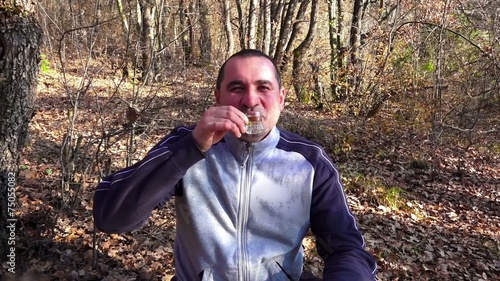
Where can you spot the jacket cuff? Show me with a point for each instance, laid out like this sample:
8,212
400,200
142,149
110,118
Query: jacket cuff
186,153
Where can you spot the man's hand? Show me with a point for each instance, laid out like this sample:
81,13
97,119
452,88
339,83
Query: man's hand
216,122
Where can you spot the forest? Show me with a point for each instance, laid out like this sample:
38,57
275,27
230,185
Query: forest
404,95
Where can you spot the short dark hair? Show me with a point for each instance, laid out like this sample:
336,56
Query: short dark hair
247,53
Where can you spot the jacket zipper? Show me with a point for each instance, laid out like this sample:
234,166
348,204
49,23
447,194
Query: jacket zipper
243,213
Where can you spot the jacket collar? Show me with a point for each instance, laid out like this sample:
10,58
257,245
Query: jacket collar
259,149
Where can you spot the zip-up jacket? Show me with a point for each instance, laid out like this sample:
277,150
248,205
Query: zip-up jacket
242,209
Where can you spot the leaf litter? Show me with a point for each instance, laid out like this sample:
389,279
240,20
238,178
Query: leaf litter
442,223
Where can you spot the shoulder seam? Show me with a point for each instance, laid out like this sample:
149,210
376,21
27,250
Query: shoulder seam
317,147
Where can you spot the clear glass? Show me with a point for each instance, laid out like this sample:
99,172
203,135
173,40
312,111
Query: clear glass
254,125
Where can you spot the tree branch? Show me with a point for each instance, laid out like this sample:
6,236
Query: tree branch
486,54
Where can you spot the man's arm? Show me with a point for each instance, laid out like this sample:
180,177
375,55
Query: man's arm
338,240
124,200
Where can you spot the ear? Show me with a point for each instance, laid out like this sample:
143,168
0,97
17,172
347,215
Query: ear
282,98
217,97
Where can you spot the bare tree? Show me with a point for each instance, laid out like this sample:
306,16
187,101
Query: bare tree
186,37
299,52
355,30
123,18
205,36
276,16
284,34
242,27
296,27
252,23
336,49
20,38
437,110
266,26
226,14
147,35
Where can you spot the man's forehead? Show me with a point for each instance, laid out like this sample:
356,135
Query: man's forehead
252,61
261,68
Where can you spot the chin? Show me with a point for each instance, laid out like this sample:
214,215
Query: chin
253,138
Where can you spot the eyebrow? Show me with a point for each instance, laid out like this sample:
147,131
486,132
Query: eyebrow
234,83
241,83
264,82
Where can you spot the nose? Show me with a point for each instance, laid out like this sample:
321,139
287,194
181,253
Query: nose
250,99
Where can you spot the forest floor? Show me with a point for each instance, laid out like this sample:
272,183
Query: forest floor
429,210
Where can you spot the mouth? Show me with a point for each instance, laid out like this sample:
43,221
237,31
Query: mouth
254,125
252,111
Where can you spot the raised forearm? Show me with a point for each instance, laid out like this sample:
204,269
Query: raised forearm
124,200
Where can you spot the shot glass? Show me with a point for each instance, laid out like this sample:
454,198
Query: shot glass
254,125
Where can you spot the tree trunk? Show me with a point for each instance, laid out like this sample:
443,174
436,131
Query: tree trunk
299,53
186,43
226,12
252,23
286,26
266,26
355,30
205,36
126,36
242,24
333,36
123,18
20,37
147,35
296,27
191,20
162,28
276,12
341,53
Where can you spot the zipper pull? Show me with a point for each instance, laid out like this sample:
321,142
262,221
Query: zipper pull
247,146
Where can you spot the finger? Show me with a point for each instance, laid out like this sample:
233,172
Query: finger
230,112
226,125
237,117
227,113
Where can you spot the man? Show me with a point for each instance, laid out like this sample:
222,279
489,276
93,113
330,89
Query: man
244,202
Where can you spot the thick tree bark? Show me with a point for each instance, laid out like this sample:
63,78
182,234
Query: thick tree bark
20,37
355,31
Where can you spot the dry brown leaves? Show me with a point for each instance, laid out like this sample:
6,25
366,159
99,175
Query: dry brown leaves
446,226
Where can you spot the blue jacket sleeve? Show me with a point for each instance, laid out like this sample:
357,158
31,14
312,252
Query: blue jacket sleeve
123,201
338,240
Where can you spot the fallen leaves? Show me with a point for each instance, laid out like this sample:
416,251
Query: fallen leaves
445,225
448,226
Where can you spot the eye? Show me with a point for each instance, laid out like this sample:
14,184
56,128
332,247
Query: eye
265,88
236,89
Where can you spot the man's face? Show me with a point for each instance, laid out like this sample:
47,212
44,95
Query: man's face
250,84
